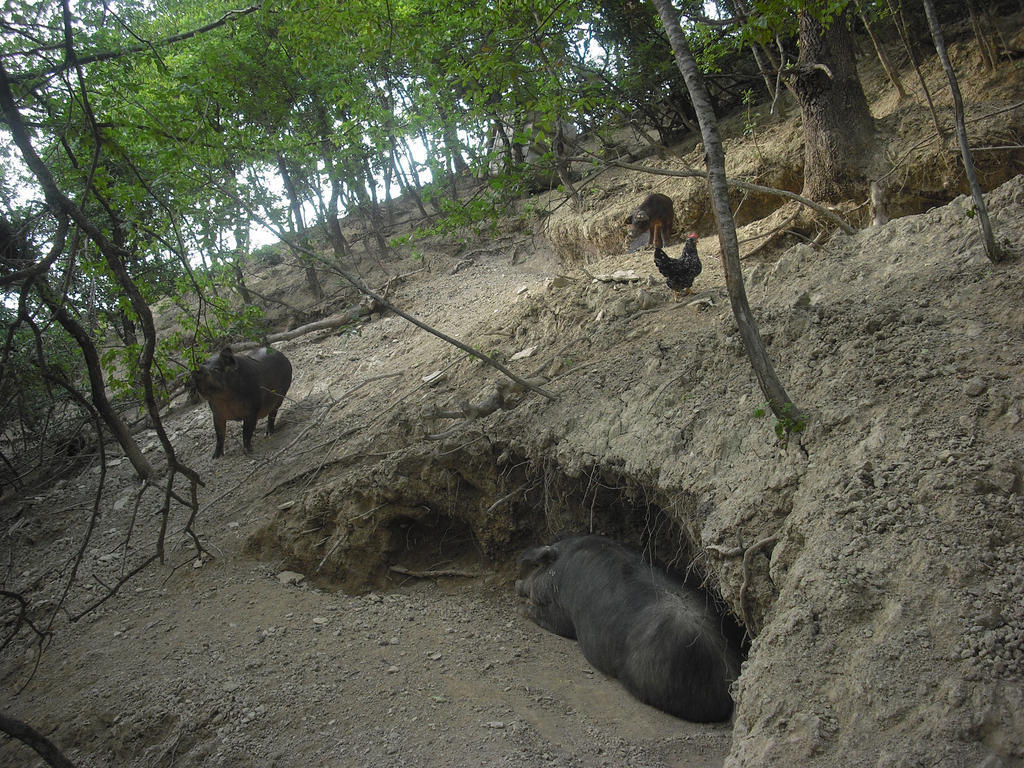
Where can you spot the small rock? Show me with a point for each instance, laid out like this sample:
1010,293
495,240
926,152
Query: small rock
320,621
701,303
976,386
290,577
433,378
559,281
392,669
619,276
497,724
523,354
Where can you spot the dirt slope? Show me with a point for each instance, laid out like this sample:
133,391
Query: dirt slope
883,578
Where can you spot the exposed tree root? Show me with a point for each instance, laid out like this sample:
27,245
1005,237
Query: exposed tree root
748,555
499,399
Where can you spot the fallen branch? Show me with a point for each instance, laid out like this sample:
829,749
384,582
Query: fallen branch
365,307
113,590
434,574
29,736
360,286
772,236
900,160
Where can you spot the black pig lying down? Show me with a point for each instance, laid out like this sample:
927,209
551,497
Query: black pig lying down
633,622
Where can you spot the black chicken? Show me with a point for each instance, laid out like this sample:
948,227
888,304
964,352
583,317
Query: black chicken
679,273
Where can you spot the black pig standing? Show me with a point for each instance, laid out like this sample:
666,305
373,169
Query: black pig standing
633,622
243,387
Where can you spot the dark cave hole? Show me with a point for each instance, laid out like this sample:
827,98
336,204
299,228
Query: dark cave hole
432,544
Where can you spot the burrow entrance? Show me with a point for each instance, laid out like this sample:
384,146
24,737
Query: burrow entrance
465,513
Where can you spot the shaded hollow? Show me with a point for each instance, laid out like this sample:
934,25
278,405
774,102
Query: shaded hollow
474,510
427,546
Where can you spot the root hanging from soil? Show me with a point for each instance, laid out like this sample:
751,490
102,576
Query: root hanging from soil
500,399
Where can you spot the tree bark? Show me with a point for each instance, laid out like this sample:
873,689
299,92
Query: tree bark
779,402
961,132
838,127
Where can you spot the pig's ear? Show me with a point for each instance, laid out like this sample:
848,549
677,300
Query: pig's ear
227,357
544,555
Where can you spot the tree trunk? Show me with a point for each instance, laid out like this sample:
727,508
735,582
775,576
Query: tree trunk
298,225
988,54
961,131
901,28
241,252
838,127
764,67
94,370
783,408
403,179
374,217
339,244
883,57
414,177
560,147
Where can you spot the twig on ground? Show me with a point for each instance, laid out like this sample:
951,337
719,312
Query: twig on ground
435,574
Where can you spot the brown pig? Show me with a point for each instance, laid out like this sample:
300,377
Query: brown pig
243,387
655,217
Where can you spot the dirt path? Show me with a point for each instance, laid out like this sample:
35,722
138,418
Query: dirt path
227,666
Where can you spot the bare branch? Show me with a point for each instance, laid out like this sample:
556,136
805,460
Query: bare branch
29,736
